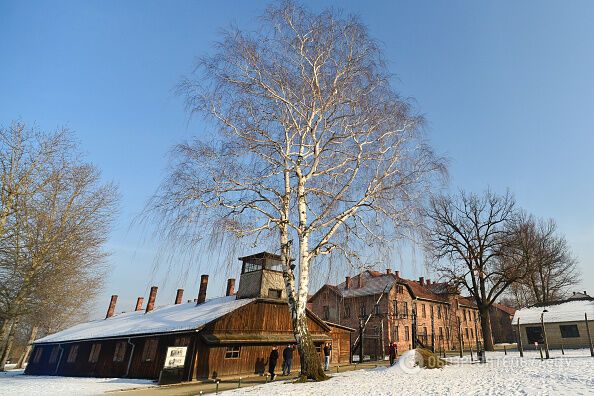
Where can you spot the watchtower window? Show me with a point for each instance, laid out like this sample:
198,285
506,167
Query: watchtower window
274,265
252,265
274,293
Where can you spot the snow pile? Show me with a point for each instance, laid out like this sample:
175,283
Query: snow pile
571,311
188,316
572,374
14,382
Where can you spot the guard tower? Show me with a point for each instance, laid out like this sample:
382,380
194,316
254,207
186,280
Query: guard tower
261,277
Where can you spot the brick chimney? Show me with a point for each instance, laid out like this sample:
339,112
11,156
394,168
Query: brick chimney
422,280
397,273
151,301
347,282
428,282
202,291
360,280
179,296
388,271
230,287
112,304
139,302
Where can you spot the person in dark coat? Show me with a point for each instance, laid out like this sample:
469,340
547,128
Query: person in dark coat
392,352
272,359
287,359
327,351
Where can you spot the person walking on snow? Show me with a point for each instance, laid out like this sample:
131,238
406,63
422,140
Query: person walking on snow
272,359
392,352
327,351
287,359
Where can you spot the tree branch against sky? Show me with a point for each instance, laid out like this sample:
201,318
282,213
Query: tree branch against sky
311,145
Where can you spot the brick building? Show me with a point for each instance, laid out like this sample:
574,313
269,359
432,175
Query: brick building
397,309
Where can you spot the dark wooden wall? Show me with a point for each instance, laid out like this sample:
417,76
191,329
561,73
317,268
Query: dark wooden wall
105,366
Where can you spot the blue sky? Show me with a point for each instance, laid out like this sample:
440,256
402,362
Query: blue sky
507,88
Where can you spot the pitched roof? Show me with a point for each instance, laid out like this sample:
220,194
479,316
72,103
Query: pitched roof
375,282
171,318
505,308
571,311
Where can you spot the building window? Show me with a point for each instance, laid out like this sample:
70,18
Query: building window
182,341
94,355
232,352
404,309
423,311
54,355
275,293
400,289
569,331
150,349
347,311
534,334
441,333
439,312
395,307
406,334
376,309
326,312
466,331
72,354
120,351
396,334
362,311
319,348
37,357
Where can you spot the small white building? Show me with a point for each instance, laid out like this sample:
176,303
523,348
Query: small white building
565,323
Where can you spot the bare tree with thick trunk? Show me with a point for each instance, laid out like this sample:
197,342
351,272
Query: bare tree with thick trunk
311,144
467,242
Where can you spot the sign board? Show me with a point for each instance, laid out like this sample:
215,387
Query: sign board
175,358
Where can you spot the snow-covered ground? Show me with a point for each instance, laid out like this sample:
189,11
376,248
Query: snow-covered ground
572,374
14,382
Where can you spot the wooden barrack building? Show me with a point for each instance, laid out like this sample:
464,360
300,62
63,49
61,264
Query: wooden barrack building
225,336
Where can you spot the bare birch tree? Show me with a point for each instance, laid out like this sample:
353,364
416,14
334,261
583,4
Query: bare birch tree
53,237
468,244
311,145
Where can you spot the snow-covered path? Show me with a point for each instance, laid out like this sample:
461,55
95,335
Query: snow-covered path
572,374
14,382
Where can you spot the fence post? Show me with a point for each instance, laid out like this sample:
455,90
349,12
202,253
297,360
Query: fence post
460,338
520,340
217,389
471,357
562,350
239,383
589,336
505,350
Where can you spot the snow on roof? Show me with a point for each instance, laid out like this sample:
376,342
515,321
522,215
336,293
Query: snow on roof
373,283
571,311
171,318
